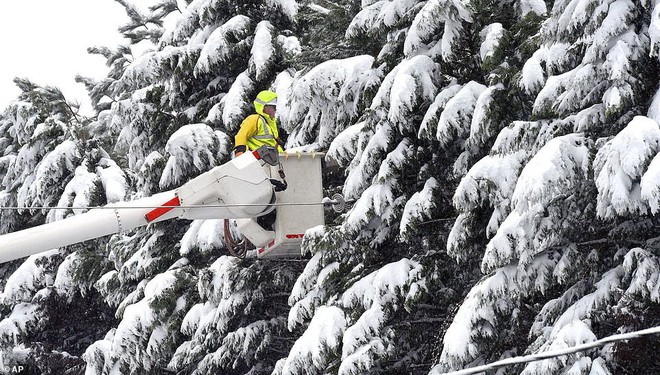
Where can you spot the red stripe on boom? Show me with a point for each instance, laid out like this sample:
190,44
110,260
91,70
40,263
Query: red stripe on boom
160,211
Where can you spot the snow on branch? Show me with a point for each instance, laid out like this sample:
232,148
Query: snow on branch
320,342
378,16
233,106
378,295
456,118
451,13
220,46
410,83
324,101
556,173
619,166
419,207
193,149
263,50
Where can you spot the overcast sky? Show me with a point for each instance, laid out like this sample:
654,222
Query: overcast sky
46,41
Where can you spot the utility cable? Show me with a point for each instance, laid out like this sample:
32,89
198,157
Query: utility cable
111,207
554,353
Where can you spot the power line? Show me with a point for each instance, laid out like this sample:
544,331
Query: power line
224,205
554,354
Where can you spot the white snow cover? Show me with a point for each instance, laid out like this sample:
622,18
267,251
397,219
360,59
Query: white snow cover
262,50
360,174
64,283
419,206
429,125
77,193
217,48
207,235
325,99
488,302
620,163
574,333
113,179
305,297
288,7
378,14
490,39
28,279
408,84
555,172
534,6
377,294
231,109
456,119
475,309
654,29
144,70
344,147
572,327
378,201
435,12
192,148
323,335
654,108
617,21
643,270
54,167
566,92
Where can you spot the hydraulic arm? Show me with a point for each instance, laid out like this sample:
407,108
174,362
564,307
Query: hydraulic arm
238,189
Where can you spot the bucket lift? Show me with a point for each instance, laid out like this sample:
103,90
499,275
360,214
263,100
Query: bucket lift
240,189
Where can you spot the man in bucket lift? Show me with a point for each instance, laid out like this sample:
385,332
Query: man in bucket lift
260,129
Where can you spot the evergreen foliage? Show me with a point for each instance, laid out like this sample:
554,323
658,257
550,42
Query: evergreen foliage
500,158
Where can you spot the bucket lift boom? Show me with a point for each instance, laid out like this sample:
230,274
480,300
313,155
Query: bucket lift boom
240,189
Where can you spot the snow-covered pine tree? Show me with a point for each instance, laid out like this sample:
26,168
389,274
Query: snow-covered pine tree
48,160
551,201
515,120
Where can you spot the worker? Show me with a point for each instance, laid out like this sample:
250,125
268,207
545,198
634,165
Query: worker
259,129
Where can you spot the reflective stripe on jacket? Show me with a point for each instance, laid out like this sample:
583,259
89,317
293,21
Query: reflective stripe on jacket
257,131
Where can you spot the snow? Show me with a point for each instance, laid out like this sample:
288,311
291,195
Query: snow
412,83
642,268
113,180
455,120
435,12
193,149
419,206
326,99
557,171
262,50
51,170
305,297
376,15
619,165
490,36
428,127
144,70
206,235
654,29
532,6
30,277
77,193
233,106
218,49
459,346
288,7
344,147
323,335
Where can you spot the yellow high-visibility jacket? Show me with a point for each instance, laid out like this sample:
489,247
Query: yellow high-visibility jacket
259,129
